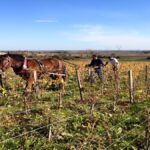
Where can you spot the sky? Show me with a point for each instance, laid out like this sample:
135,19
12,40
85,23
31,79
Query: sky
74,24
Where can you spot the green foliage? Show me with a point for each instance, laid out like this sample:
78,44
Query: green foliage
73,126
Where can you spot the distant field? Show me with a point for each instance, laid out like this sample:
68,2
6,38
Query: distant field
124,55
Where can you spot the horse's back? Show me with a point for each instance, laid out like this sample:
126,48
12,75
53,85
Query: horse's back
53,63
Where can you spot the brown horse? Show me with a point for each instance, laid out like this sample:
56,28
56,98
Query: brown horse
31,69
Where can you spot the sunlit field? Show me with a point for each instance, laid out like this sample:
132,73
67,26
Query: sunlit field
105,119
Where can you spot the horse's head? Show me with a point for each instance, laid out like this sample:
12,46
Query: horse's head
5,62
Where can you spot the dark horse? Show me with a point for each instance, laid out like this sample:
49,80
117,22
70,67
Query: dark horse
31,69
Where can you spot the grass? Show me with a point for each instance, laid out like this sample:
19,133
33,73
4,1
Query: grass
74,126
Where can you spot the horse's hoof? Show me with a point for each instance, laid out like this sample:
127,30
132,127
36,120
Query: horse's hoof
26,93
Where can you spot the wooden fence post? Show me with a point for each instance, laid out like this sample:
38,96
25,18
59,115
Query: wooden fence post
148,132
131,92
92,109
116,83
37,90
147,80
25,104
146,74
89,72
115,103
50,130
60,100
102,88
1,80
79,83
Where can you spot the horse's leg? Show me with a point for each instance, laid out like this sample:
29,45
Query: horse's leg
29,85
31,80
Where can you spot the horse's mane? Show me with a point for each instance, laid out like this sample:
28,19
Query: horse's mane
15,56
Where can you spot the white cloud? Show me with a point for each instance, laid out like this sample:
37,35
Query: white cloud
106,37
46,21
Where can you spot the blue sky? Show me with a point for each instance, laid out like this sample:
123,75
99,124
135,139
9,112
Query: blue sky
74,24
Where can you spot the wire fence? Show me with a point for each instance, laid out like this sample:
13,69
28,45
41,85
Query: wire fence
122,137
50,124
46,126
42,127
143,135
23,134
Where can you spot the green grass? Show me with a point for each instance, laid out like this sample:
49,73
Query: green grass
74,126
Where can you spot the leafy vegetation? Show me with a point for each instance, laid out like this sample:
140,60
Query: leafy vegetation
109,125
